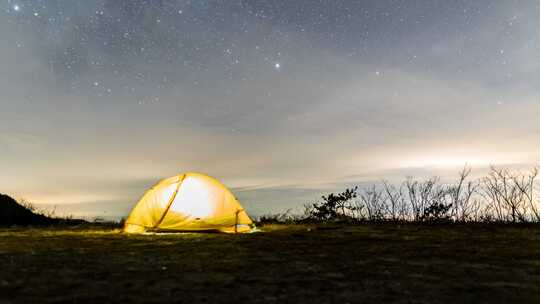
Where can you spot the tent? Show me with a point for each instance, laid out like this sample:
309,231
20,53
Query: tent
188,202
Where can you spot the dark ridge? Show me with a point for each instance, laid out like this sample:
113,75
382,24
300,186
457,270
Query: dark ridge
14,214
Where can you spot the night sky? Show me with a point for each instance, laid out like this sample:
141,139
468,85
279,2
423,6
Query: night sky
278,99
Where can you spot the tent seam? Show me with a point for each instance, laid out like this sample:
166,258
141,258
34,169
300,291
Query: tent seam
170,202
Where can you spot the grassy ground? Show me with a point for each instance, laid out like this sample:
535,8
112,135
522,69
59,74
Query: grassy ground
305,264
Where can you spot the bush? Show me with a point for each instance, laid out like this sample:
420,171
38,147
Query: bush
334,207
436,212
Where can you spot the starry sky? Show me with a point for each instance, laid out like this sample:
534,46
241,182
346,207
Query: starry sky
281,100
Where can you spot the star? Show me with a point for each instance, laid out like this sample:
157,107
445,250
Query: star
16,7
277,65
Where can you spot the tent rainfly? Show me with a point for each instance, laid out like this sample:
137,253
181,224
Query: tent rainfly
188,202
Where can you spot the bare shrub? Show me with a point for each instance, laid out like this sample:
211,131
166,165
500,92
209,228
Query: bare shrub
504,197
465,205
422,194
526,184
374,203
397,204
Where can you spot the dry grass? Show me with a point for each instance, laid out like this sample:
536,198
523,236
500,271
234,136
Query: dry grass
305,264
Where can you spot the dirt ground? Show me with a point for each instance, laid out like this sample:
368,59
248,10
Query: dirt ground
291,264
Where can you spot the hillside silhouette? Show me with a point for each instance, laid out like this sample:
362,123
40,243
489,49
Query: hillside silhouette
14,214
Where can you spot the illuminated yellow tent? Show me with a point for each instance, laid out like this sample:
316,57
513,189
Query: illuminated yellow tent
188,202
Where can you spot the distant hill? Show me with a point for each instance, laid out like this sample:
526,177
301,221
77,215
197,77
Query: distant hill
14,214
